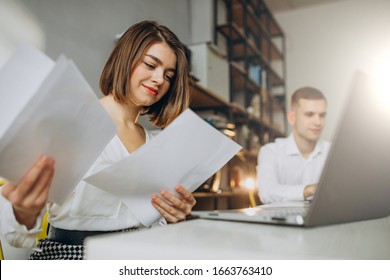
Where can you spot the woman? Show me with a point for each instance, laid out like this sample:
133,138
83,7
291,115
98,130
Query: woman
146,73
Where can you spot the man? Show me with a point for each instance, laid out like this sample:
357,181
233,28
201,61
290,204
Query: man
289,168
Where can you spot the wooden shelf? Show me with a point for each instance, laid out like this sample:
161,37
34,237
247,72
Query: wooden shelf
269,22
225,200
203,98
242,80
255,31
253,45
212,194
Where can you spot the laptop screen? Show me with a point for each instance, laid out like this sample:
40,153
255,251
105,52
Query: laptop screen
355,182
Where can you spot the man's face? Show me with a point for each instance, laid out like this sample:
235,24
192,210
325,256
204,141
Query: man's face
308,119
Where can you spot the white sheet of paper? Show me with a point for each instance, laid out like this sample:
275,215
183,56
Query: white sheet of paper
19,80
187,152
53,112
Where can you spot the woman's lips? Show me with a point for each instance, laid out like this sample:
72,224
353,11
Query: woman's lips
151,90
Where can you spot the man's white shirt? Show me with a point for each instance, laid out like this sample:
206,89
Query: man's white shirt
283,173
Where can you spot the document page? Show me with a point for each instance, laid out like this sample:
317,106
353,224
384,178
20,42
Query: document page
55,113
187,152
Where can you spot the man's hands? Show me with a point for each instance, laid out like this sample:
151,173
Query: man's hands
309,190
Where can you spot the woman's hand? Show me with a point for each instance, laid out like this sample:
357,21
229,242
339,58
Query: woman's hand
30,194
174,209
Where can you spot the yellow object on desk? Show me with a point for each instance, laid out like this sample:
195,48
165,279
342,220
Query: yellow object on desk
45,225
2,181
250,185
1,252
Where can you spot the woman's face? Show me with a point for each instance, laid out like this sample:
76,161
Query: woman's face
152,76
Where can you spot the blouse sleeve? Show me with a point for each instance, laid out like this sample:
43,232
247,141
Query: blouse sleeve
160,222
16,234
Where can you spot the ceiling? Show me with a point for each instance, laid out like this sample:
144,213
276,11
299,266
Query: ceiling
288,5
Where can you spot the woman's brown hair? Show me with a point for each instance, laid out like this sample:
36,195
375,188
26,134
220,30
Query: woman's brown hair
128,52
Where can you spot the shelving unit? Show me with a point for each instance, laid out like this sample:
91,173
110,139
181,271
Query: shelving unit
253,44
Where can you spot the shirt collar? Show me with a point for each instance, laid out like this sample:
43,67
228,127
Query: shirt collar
319,148
292,148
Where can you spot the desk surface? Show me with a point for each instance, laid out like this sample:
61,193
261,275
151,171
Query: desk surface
206,239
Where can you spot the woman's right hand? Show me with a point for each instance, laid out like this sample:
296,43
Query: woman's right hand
30,194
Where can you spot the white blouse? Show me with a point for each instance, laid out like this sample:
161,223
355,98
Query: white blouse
86,208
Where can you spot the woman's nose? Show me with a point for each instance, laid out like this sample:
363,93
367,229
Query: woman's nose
158,77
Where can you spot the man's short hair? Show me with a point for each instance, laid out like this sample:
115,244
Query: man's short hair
306,93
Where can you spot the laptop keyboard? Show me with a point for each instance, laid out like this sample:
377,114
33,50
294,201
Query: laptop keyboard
284,212
274,214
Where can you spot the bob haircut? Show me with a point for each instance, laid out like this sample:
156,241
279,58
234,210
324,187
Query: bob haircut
128,52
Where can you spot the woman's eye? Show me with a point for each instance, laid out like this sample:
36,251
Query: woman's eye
149,66
169,78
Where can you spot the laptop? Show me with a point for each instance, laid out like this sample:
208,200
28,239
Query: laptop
355,182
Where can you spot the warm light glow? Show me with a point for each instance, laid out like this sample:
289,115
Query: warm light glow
229,133
381,73
230,126
383,83
250,184
250,211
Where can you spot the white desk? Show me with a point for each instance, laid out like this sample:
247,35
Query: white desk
206,239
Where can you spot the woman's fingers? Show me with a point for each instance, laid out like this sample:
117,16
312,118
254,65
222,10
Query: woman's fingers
172,208
29,196
168,212
7,189
31,192
189,198
42,198
39,194
28,182
167,205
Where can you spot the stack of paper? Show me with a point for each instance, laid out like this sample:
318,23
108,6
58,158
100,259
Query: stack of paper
187,152
48,108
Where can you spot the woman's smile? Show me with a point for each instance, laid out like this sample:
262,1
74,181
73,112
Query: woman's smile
151,90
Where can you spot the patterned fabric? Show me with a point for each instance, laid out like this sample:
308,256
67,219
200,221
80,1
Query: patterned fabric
51,250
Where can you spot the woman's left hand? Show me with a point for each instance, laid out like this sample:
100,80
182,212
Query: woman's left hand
172,208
